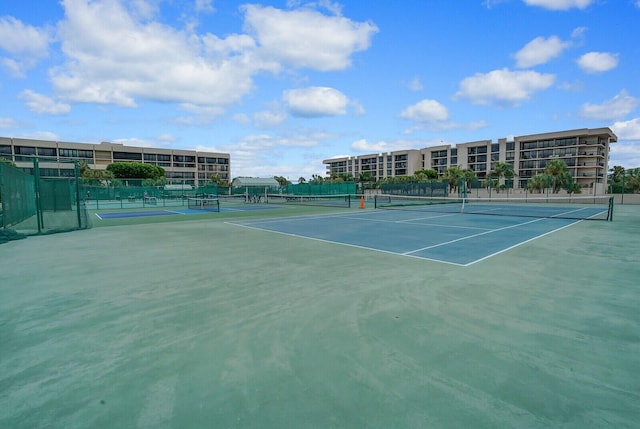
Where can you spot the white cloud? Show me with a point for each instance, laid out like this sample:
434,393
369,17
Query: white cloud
269,118
560,4
242,118
162,141
262,155
627,130
39,103
432,115
26,44
616,108
415,84
307,38
200,115
503,86
598,62
41,135
204,6
540,51
491,3
382,146
112,58
116,57
333,7
426,111
7,123
626,152
356,108
315,101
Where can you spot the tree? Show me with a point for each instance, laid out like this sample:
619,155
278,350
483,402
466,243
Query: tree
94,177
346,177
559,175
316,179
302,180
135,170
453,176
282,181
469,176
537,183
500,170
617,172
425,175
216,180
632,177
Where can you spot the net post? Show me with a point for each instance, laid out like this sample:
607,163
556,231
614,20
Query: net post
76,172
36,181
610,214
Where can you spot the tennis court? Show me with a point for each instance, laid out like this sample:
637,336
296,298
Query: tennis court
266,319
455,238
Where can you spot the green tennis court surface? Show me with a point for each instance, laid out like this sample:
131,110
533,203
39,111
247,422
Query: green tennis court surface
201,323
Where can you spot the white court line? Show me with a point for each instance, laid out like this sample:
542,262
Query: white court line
322,240
522,242
410,253
491,231
98,216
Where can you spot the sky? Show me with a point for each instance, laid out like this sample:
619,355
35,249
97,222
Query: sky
283,85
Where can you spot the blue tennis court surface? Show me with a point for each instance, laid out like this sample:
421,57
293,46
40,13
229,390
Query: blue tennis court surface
454,238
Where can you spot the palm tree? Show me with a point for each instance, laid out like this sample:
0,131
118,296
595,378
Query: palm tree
346,177
425,175
302,180
537,183
616,173
453,176
469,176
632,177
559,174
502,169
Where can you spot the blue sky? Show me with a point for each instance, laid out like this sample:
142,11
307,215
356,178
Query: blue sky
282,85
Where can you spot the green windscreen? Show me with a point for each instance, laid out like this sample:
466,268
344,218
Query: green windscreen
34,205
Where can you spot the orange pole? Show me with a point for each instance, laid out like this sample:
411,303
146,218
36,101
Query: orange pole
362,202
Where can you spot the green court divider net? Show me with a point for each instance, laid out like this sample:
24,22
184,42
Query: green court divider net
33,205
424,189
336,200
341,188
132,193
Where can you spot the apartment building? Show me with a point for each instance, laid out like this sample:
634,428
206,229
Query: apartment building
585,151
378,166
181,166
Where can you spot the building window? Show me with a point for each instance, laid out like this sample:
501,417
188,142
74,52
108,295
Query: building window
126,156
47,151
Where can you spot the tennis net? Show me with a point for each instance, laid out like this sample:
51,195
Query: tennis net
569,207
207,204
338,200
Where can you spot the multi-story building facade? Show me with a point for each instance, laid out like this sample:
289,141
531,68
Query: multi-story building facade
585,151
181,166
377,166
